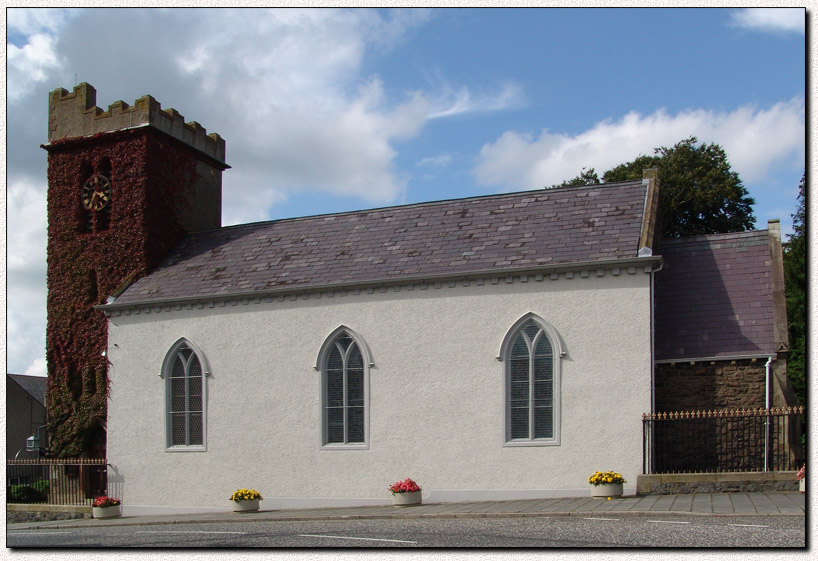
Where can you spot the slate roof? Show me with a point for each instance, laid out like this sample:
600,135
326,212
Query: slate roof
35,386
714,297
491,233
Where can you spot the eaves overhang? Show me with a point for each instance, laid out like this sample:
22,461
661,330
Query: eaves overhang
724,358
647,264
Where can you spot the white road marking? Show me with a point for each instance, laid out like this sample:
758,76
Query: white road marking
351,538
613,519
185,532
749,525
667,522
13,533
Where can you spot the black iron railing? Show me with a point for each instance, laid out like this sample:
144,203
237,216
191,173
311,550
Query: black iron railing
729,440
62,481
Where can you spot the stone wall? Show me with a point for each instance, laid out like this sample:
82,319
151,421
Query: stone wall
700,386
688,483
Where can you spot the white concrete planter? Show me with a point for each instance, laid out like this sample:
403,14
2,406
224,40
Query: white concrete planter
107,511
245,506
406,499
802,485
607,490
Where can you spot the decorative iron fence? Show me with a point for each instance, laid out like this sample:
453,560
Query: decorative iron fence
729,440
61,481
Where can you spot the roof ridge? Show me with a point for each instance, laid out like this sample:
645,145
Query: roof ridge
717,235
427,204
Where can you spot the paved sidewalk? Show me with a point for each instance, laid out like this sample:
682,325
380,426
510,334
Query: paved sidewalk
756,504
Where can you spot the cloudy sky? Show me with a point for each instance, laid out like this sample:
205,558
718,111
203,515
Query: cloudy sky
327,111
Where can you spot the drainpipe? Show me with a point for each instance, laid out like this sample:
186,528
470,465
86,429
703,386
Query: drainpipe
652,366
767,380
653,337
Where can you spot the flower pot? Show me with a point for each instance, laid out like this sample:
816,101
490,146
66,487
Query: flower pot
607,490
107,511
406,499
802,485
245,506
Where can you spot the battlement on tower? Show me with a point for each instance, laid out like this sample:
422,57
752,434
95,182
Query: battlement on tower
75,114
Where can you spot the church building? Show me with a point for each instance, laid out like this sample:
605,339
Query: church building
491,347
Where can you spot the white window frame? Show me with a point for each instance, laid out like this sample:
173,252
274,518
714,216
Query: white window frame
167,365
558,352
321,366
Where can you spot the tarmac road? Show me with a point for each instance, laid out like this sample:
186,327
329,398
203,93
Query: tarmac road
662,530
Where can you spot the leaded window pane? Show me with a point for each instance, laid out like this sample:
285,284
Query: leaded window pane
178,370
543,422
519,422
195,429
335,425
355,424
335,389
543,393
355,388
195,368
531,329
178,397
178,429
195,393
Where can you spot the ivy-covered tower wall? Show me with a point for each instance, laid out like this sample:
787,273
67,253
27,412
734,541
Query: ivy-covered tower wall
124,186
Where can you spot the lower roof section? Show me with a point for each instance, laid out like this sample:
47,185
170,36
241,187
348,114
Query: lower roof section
714,297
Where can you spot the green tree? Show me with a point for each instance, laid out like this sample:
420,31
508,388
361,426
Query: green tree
699,193
795,279
586,177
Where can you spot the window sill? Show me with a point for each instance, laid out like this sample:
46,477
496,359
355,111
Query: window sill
186,449
345,447
523,443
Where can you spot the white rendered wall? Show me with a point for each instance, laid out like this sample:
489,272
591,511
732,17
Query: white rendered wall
436,410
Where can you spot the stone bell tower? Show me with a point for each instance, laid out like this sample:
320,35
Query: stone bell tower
124,186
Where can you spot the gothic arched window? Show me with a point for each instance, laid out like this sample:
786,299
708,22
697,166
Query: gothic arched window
531,355
185,374
344,365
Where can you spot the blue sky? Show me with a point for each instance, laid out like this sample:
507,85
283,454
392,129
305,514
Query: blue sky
335,110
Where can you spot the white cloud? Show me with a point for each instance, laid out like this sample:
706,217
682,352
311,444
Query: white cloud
37,368
436,162
462,100
771,19
755,140
26,254
31,21
289,88
29,64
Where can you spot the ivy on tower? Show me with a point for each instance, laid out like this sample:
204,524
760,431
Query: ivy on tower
124,187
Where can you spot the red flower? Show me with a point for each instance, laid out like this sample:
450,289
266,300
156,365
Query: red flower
102,502
405,486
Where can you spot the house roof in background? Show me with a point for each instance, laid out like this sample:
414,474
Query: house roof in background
507,232
35,386
714,297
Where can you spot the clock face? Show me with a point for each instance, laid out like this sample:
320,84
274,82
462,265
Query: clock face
96,193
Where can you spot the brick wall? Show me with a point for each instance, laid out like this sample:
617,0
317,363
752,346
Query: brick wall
705,386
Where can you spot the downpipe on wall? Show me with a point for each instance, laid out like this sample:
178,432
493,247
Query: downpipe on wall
767,404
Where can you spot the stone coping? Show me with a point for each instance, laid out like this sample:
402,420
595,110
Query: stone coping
77,509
